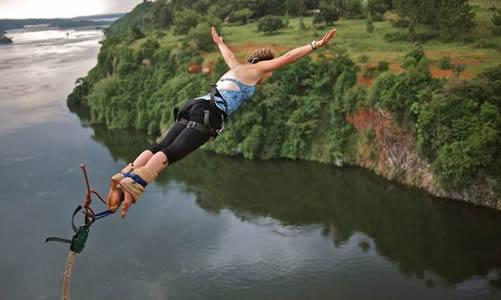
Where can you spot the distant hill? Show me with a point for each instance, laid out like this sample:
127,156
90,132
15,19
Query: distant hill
82,21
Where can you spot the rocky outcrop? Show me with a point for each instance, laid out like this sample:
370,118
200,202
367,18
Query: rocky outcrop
392,153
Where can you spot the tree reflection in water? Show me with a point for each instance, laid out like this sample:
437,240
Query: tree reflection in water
417,232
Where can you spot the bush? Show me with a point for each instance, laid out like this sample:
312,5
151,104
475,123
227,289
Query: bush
425,36
417,53
78,94
369,26
396,36
200,38
445,63
400,23
383,66
241,16
184,20
269,24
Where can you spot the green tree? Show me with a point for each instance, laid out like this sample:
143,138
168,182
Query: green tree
295,7
329,13
184,20
458,69
162,14
378,7
262,8
270,24
456,16
415,11
241,16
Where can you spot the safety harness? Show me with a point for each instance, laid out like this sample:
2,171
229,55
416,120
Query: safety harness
204,127
77,242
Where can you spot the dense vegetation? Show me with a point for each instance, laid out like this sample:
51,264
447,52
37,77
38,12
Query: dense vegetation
144,69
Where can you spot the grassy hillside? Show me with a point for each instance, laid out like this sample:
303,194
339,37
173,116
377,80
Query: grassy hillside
478,50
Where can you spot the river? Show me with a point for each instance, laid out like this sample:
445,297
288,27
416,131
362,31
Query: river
211,226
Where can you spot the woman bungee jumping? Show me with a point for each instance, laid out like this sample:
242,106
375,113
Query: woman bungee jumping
200,120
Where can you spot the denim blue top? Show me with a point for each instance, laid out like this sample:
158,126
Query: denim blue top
234,98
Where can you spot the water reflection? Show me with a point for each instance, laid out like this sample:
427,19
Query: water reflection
424,236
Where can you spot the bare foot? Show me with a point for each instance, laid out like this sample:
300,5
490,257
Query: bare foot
113,199
128,201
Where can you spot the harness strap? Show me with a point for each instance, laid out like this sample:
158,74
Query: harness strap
203,128
215,92
206,118
175,111
136,178
182,121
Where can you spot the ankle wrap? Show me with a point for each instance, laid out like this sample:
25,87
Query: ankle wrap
134,182
119,176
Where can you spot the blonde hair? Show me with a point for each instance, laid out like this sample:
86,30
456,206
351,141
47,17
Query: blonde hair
261,54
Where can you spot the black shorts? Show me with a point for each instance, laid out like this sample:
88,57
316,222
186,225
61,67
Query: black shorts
180,141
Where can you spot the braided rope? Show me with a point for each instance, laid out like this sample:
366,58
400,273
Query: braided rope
67,275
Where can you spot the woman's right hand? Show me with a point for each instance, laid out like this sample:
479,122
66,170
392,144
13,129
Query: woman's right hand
215,37
329,35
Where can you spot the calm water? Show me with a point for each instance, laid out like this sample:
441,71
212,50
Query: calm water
212,227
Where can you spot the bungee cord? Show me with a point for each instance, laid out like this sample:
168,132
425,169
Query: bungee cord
77,242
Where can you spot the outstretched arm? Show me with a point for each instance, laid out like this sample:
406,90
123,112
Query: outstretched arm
294,54
228,56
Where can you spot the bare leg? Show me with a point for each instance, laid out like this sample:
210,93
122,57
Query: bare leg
158,162
143,158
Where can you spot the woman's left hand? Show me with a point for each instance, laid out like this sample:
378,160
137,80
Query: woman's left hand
329,35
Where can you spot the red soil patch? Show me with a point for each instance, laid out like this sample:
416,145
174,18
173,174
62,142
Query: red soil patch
379,121
365,81
436,72
449,53
396,68
194,68
247,48
439,73
362,120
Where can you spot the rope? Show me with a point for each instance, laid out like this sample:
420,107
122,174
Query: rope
67,275
81,233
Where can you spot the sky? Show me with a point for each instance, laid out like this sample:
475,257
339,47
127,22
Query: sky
20,9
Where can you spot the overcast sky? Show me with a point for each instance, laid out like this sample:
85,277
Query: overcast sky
17,9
